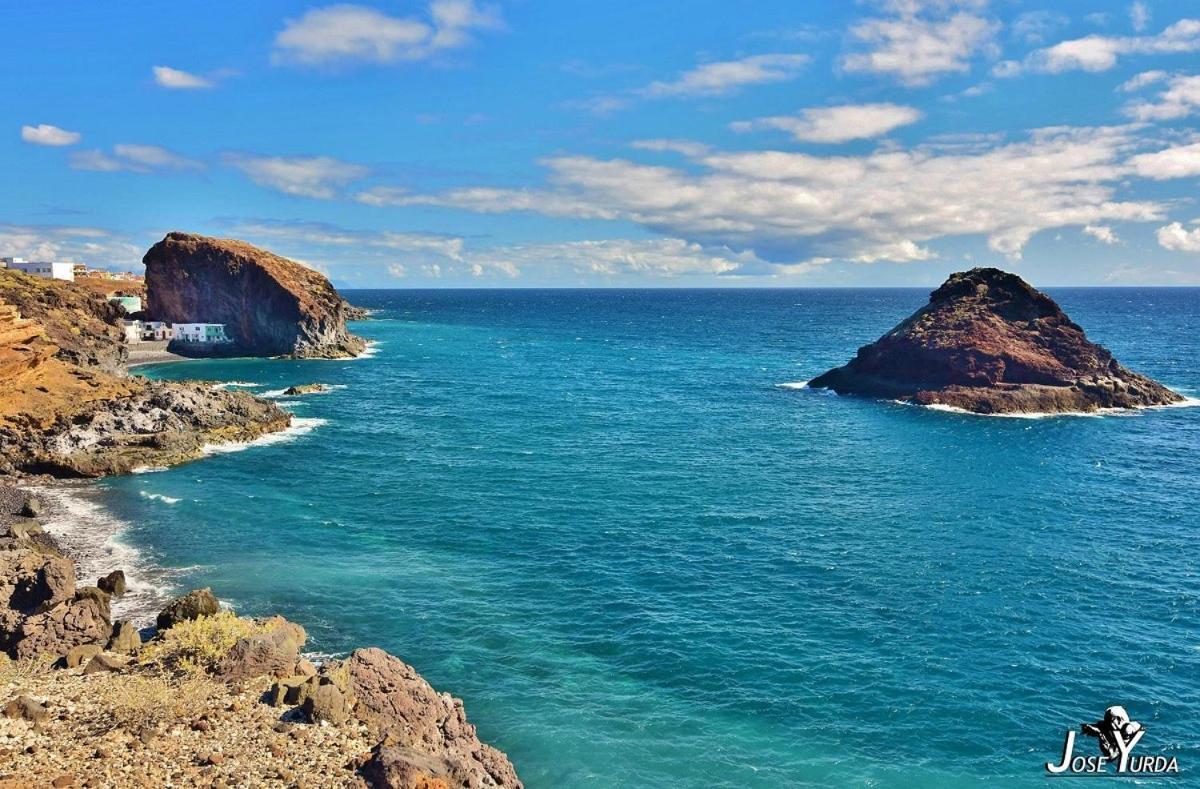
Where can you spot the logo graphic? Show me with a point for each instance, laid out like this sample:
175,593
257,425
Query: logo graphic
1117,736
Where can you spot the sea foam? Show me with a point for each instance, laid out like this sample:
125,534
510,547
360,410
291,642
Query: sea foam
300,426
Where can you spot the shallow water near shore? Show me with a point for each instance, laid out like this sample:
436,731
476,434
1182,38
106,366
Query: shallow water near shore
602,520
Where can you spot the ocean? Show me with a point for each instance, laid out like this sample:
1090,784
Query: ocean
616,526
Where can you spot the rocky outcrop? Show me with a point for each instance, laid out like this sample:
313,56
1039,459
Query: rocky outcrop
272,653
270,306
412,718
83,327
193,605
304,389
988,342
153,423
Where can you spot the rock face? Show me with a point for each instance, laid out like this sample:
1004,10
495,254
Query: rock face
270,306
425,732
988,342
193,605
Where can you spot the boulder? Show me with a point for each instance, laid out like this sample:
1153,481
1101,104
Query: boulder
104,662
32,508
65,625
25,708
126,640
397,767
274,652
113,583
82,654
193,605
398,704
988,342
326,703
102,598
291,691
31,580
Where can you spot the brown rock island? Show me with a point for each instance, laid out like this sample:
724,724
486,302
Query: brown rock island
990,343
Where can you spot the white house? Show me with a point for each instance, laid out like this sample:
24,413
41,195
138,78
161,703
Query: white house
201,332
156,330
134,331
43,269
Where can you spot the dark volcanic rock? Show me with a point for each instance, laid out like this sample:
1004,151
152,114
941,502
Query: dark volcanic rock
193,605
304,389
113,583
270,306
988,342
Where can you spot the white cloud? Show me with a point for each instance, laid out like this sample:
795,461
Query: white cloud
1139,15
885,205
1177,238
1102,233
340,34
1100,53
1182,161
133,158
685,147
1180,99
716,79
1139,81
837,124
659,257
45,134
320,177
1035,27
922,40
324,235
175,79
90,245
397,270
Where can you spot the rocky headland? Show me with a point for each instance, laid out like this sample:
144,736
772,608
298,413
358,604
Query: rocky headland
270,306
990,343
205,698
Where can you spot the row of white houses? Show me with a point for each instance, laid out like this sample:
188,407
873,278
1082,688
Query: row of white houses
159,331
43,269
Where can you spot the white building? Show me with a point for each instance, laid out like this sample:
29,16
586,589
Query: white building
201,332
43,269
133,331
156,330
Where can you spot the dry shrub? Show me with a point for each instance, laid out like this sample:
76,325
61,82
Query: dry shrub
198,645
15,675
137,701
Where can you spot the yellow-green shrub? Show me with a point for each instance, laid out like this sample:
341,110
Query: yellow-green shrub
198,644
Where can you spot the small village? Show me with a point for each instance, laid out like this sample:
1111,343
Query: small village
125,289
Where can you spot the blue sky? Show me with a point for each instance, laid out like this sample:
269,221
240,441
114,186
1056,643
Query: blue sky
530,143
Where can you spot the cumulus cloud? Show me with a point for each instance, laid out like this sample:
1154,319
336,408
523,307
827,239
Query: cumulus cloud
837,124
45,134
1102,233
344,34
320,177
1180,98
174,79
684,147
134,158
886,205
1139,81
1181,161
920,41
326,235
1178,238
659,257
91,245
1100,53
1035,27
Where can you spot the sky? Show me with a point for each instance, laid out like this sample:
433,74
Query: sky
546,143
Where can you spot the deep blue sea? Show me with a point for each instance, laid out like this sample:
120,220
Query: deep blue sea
598,517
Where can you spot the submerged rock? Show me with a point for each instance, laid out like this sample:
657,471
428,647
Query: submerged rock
988,342
270,306
304,389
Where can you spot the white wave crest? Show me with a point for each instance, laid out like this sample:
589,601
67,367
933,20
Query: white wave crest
794,385
300,426
1187,402
239,384
159,497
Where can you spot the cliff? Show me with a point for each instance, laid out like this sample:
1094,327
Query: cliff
270,306
68,408
988,342
207,697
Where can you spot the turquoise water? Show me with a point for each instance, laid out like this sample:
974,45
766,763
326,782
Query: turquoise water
598,518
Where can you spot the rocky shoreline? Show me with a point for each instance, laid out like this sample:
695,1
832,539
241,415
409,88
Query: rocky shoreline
204,698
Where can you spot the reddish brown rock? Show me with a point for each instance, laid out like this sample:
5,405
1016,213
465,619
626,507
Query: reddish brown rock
399,705
988,342
66,625
270,306
272,653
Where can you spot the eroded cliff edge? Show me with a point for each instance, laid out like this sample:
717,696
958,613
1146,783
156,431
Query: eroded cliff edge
990,343
69,408
270,306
